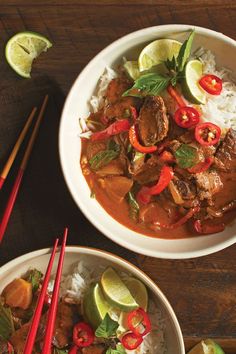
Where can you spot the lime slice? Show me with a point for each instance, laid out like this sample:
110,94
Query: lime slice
158,51
207,346
23,48
95,306
139,292
192,90
132,69
116,292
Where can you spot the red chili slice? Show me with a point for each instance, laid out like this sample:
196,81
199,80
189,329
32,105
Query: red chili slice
133,138
73,350
176,96
131,341
211,84
201,166
207,133
208,227
144,324
83,335
186,117
113,129
10,348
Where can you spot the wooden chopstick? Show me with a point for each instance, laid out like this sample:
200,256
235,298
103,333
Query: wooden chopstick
17,183
16,148
38,311
53,307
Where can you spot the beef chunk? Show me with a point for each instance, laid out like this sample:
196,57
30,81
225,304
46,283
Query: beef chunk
225,158
64,324
186,189
94,349
116,88
153,122
148,172
208,184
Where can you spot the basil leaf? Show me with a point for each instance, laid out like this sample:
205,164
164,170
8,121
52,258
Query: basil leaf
119,350
186,156
60,351
185,52
6,322
102,158
34,277
148,84
133,206
107,327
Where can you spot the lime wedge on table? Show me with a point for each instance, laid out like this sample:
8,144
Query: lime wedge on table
158,51
116,292
23,48
207,346
95,306
132,69
192,90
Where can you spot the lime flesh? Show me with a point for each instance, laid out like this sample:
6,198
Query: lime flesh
158,51
95,306
207,346
23,48
192,90
116,292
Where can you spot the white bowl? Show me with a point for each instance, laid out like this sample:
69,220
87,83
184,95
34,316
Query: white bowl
76,106
93,257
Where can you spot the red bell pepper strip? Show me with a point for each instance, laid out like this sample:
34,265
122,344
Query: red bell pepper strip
201,166
211,84
141,317
10,348
181,221
83,335
176,96
133,138
208,228
145,193
73,350
113,129
207,133
131,341
186,117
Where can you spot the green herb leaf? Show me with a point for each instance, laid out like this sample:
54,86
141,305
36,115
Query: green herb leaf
148,84
133,206
34,277
138,155
171,64
60,351
185,52
186,156
102,158
119,350
6,322
107,327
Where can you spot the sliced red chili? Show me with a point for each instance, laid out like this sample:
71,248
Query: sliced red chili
139,322
73,350
211,84
208,227
113,129
207,133
176,96
10,348
133,138
181,221
131,341
186,117
145,193
83,335
201,166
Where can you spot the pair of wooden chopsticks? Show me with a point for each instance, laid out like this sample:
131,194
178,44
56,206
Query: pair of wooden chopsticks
7,167
53,306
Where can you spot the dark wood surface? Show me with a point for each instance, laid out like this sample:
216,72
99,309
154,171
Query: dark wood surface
202,291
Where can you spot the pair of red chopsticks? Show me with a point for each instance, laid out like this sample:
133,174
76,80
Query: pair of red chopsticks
7,167
53,306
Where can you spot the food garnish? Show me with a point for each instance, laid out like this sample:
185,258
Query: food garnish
6,322
211,84
131,341
186,156
133,138
83,335
139,322
207,134
186,117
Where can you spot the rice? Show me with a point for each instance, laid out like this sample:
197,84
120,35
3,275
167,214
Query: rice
74,286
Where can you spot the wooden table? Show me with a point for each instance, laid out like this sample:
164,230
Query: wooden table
202,291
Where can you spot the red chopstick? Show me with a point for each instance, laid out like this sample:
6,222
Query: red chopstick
16,186
36,318
53,307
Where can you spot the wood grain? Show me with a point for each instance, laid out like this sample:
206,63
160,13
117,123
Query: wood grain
202,291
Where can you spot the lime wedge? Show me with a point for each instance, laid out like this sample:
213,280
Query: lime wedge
23,48
139,292
158,51
192,90
132,69
116,292
207,346
95,306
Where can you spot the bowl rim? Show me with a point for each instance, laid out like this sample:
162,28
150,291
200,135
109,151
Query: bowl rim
116,259
153,253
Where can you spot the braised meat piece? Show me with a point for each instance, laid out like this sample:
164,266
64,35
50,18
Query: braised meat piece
225,158
64,324
153,122
18,338
186,189
94,349
149,171
116,88
208,184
